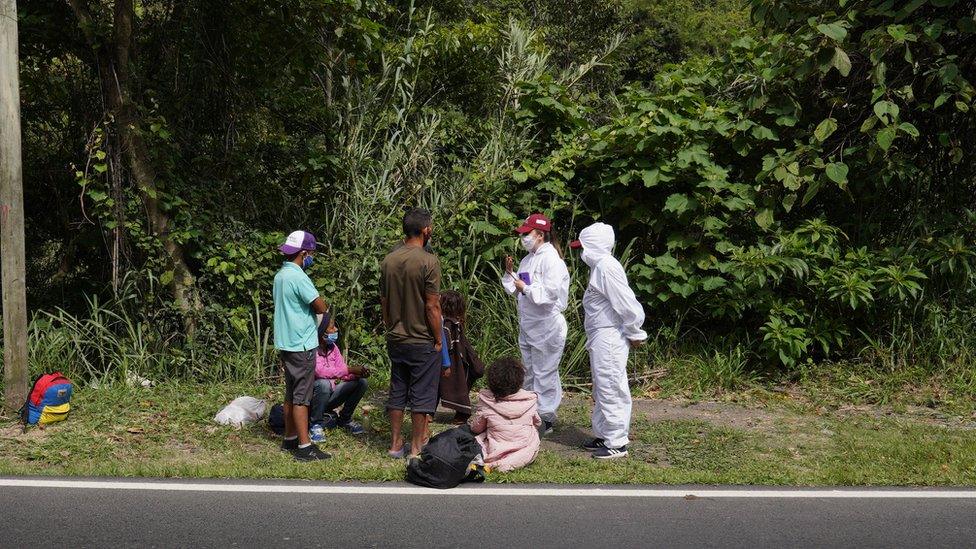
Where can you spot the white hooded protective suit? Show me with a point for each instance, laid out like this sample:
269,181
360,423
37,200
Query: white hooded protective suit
613,318
542,326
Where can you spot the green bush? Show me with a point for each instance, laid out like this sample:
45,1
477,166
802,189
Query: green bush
795,193
778,188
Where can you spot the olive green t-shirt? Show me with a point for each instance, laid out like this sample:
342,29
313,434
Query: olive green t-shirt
407,274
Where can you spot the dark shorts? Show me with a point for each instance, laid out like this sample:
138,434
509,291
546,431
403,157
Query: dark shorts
414,377
299,376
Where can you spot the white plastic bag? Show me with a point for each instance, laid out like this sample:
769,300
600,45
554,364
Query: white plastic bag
241,410
135,380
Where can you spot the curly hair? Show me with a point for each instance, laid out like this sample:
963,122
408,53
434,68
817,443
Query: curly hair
505,377
452,305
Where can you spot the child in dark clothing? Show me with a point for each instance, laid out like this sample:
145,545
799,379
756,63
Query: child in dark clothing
466,367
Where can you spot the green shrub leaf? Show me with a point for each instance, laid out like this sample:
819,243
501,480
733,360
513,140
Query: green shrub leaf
841,62
764,218
837,172
677,203
825,129
886,137
834,31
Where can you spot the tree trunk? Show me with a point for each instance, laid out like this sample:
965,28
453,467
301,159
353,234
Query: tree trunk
12,258
114,68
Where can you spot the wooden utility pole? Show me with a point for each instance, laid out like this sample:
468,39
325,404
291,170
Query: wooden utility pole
12,215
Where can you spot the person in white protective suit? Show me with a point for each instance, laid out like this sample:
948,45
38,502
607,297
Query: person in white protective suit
612,320
541,285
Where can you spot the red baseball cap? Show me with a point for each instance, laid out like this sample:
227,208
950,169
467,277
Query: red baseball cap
535,221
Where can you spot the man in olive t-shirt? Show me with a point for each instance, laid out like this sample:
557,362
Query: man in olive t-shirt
410,282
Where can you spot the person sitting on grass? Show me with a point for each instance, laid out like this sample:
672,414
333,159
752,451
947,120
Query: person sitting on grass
507,419
336,384
466,367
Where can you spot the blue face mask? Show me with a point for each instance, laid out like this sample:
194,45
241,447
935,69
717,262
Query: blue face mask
331,339
307,262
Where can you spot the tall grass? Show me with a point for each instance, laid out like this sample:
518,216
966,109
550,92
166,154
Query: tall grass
934,338
111,342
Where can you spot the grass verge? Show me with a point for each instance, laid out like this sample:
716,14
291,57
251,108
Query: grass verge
167,431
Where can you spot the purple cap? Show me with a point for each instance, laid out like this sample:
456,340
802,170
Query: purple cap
298,241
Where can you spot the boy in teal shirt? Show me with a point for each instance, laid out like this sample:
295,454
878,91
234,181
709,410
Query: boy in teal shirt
296,303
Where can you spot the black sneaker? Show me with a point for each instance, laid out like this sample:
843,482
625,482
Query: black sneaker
594,445
546,428
610,453
310,453
289,445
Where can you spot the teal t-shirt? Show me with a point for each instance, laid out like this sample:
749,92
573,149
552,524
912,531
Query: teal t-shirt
294,320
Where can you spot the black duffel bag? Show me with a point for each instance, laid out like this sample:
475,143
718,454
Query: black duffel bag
444,462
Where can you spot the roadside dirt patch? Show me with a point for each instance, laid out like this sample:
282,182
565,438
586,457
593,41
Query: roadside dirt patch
717,413
916,414
183,453
183,448
573,428
16,431
720,414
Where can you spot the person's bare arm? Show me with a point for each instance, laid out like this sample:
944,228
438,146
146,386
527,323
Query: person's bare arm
319,306
432,305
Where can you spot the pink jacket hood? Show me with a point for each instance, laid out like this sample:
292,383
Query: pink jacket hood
511,407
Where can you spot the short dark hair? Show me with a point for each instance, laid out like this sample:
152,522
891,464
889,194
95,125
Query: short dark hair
415,221
452,305
505,377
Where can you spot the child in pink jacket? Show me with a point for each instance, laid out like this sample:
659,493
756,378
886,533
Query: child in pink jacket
507,420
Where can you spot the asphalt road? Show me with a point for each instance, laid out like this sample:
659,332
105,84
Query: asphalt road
282,514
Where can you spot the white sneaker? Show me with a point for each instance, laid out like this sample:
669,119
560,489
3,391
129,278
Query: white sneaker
610,453
316,433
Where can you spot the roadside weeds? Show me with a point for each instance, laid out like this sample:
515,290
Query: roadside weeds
764,438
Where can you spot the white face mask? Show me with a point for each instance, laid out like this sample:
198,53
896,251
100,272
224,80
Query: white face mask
588,258
529,242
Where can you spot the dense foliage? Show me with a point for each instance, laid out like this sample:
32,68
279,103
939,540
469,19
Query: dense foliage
808,186
798,186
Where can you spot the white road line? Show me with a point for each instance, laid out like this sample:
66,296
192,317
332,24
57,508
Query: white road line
484,490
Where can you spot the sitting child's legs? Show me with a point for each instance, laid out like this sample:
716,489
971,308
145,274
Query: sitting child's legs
322,393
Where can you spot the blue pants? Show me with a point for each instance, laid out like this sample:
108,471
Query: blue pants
326,399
